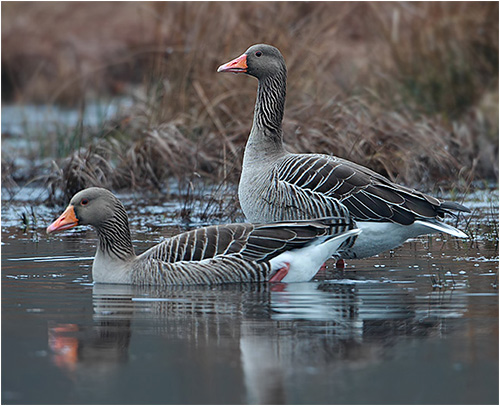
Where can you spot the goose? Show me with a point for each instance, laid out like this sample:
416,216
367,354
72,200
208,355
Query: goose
291,251
276,185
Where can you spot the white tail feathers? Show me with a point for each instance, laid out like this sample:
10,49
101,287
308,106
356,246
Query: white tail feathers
443,228
304,263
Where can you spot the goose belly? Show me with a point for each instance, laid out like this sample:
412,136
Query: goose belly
377,237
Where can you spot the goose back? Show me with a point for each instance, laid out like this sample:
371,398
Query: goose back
367,195
231,253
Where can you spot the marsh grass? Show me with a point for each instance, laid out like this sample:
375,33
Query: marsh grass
438,281
29,223
445,64
205,204
407,89
482,225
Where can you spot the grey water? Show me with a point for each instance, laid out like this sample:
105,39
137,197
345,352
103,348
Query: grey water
19,120
418,325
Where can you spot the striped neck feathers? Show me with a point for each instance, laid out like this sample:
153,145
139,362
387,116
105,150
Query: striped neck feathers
270,105
114,235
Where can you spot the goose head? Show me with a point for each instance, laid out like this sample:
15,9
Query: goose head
265,63
101,209
259,60
92,206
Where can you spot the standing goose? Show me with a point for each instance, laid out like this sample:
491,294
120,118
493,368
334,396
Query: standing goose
287,251
276,185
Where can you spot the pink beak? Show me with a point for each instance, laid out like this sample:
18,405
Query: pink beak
66,220
238,65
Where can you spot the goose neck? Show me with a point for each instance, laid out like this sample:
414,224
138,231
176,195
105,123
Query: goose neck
114,237
270,105
115,257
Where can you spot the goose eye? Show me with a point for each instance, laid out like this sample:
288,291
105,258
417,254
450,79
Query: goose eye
84,202
258,53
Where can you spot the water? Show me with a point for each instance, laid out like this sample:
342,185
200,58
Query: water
419,325
18,120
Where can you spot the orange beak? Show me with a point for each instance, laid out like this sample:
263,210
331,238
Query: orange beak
66,220
238,65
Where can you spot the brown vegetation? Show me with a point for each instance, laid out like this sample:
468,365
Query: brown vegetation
408,89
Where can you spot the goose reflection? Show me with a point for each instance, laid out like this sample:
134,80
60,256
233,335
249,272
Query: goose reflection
100,347
273,332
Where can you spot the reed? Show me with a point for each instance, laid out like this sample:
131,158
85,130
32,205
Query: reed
29,223
408,89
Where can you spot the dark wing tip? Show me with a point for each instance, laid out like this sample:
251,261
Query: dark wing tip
447,205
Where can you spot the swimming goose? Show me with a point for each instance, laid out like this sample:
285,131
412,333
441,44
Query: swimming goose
281,252
276,185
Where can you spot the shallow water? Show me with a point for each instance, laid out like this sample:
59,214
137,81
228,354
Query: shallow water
21,119
419,325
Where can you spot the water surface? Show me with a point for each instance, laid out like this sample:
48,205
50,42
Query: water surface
418,325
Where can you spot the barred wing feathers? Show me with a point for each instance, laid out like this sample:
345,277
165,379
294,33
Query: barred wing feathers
268,241
366,194
253,242
231,253
203,243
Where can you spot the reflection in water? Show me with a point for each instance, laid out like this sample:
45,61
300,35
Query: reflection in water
104,345
280,331
314,325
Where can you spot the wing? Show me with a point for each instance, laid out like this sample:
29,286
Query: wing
253,242
202,243
366,194
270,240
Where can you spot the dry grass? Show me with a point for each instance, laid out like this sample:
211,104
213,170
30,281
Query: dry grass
409,89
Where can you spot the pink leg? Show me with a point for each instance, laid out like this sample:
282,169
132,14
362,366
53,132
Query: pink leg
280,273
278,287
340,264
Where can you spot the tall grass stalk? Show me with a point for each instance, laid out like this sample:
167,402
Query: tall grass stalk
408,89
